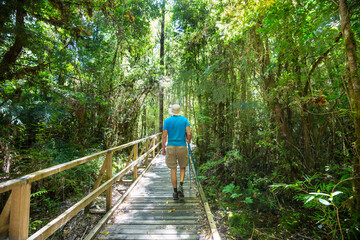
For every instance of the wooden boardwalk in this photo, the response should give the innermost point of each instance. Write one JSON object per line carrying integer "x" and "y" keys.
{"x": 149, "y": 212}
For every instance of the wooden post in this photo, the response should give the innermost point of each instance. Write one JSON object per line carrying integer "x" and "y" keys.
{"x": 135, "y": 157}
{"x": 19, "y": 213}
{"x": 97, "y": 183}
{"x": 5, "y": 219}
{"x": 146, "y": 150}
{"x": 158, "y": 139}
{"x": 108, "y": 161}
{"x": 153, "y": 144}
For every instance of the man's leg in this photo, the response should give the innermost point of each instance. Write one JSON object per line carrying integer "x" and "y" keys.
{"x": 183, "y": 162}
{"x": 174, "y": 178}
{"x": 174, "y": 184}
{"x": 172, "y": 164}
{"x": 182, "y": 174}
{"x": 182, "y": 177}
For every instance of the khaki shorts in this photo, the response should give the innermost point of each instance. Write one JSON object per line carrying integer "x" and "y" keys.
{"x": 175, "y": 155}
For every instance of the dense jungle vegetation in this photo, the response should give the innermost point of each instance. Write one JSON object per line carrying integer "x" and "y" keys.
{"x": 271, "y": 89}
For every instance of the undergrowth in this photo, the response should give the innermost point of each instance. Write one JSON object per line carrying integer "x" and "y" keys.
{"x": 258, "y": 205}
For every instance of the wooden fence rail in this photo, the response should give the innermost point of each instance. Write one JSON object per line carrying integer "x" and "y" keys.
{"x": 14, "y": 218}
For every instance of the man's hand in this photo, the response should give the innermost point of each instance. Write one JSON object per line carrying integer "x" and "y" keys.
{"x": 164, "y": 152}
{"x": 188, "y": 134}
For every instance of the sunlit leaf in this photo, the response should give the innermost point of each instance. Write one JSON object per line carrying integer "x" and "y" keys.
{"x": 309, "y": 199}
{"x": 336, "y": 193}
{"x": 318, "y": 193}
{"x": 323, "y": 201}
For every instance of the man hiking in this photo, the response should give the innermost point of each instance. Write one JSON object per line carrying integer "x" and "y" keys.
{"x": 175, "y": 129}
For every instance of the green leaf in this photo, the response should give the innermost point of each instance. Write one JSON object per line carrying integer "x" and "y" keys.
{"x": 336, "y": 193}
{"x": 229, "y": 188}
{"x": 235, "y": 195}
{"x": 318, "y": 193}
{"x": 248, "y": 200}
{"x": 309, "y": 199}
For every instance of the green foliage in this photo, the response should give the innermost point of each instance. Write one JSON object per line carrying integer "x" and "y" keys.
{"x": 232, "y": 190}
{"x": 329, "y": 207}
{"x": 291, "y": 220}
{"x": 241, "y": 224}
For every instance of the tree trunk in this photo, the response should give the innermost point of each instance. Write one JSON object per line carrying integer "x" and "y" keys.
{"x": 354, "y": 85}
{"x": 162, "y": 51}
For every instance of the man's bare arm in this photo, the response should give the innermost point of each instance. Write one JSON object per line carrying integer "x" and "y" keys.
{"x": 164, "y": 140}
{"x": 188, "y": 134}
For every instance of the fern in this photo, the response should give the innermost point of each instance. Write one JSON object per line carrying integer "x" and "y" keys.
{"x": 38, "y": 193}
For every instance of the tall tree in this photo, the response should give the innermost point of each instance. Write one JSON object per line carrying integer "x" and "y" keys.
{"x": 354, "y": 86}
{"x": 162, "y": 67}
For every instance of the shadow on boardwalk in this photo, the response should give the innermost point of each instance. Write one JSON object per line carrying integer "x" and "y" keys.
{"x": 149, "y": 212}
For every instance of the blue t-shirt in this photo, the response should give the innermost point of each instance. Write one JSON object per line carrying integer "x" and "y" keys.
{"x": 175, "y": 126}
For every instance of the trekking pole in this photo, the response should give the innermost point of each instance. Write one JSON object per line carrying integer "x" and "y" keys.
{"x": 194, "y": 168}
{"x": 189, "y": 149}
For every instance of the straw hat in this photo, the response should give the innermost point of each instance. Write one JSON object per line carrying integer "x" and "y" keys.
{"x": 175, "y": 110}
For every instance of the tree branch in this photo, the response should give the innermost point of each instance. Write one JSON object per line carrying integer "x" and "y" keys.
{"x": 318, "y": 61}
{"x": 12, "y": 54}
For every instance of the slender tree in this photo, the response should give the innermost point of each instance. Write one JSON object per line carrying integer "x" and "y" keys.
{"x": 162, "y": 67}
{"x": 354, "y": 86}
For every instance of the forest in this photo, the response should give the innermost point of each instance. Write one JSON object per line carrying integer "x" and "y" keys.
{"x": 271, "y": 89}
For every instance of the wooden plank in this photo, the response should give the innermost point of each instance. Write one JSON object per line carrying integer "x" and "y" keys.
{"x": 20, "y": 212}
{"x": 116, "y": 228}
{"x": 97, "y": 182}
{"x": 5, "y": 219}
{"x": 129, "y": 160}
{"x": 158, "y": 139}
{"x": 130, "y": 218}
{"x": 153, "y": 144}
{"x": 168, "y": 202}
{"x": 135, "y": 157}
{"x": 140, "y": 230}
{"x": 147, "y": 149}
{"x": 98, "y": 226}
{"x": 157, "y": 222}
{"x": 175, "y": 212}
{"x": 158, "y": 198}
{"x": 130, "y": 156}
{"x": 143, "y": 148}
{"x": 100, "y": 177}
{"x": 166, "y": 195}
{"x": 126, "y": 181}
{"x": 4, "y": 229}
{"x": 149, "y": 236}
{"x": 162, "y": 211}
{"x": 108, "y": 167}
{"x": 157, "y": 206}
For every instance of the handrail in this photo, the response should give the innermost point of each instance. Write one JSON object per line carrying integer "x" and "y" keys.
{"x": 214, "y": 232}
{"x": 35, "y": 176}
{"x": 15, "y": 215}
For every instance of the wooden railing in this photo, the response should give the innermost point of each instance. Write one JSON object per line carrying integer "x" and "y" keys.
{"x": 14, "y": 218}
